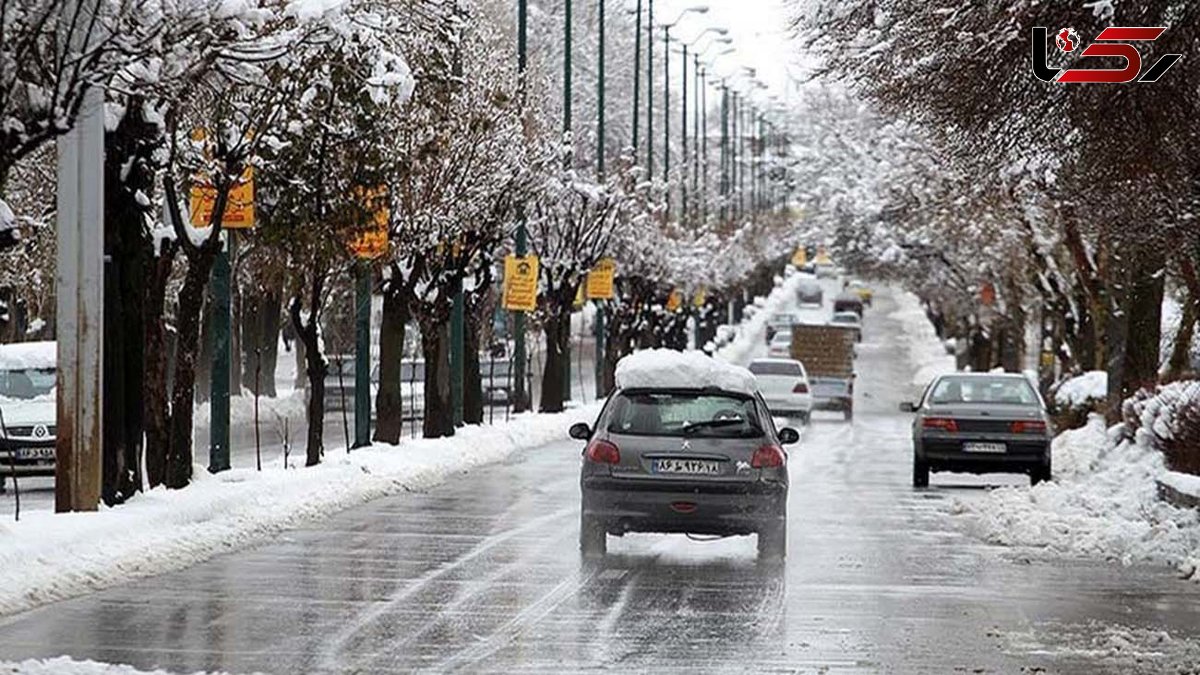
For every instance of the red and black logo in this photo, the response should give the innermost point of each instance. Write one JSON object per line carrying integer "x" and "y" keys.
{"x": 1113, "y": 42}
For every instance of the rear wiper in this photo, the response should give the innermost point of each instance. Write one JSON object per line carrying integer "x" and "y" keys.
{"x": 710, "y": 424}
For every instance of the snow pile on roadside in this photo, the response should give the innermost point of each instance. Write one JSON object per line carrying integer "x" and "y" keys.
{"x": 1103, "y": 502}
{"x": 1081, "y": 390}
{"x": 925, "y": 350}
{"x": 288, "y": 405}
{"x": 753, "y": 330}
{"x": 66, "y": 666}
{"x": 660, "y": 368}
{"x": 47, "y": 557}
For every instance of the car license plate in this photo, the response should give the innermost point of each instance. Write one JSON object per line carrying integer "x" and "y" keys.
{"x": 702, "y": 467}
{"x": 35, "y": 453}
{"x": 985, "y": 447}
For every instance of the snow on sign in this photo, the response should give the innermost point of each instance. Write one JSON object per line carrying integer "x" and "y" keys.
{"x": 520, "y": 283}
{"x": 239, "y": 209}
{"x": 600, "y": 280}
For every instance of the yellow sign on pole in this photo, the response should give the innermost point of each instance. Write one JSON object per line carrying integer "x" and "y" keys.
{"x": 239, "y": 208}
{"x": 372, "y": 242}
{"x": 600, "y": 280}
{"x": 800, "y": 257}
{"x": 579, "y": 299}
{"x": 700, "y": 298}
{"x": 674, "y": 301}
{"x": 520, "y": 283}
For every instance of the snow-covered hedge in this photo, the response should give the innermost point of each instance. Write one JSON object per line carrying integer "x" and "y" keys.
{"x": 1075, "y": 398}
{"x": 1168, "y": 420}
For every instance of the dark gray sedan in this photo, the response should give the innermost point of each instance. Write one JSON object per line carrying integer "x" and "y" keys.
{"x": 980, "y": 423}
{"x": 697, "y": 461}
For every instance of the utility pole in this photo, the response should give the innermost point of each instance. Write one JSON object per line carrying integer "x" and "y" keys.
{"x": 218, "y": 435}
{"x": 667, "y": 111}
{"x": 724, "y": 152}
{"x": 637, "y": 72}
{"x": 570, "y": 142}
{"x": 79, "y": 296}
{"x": 650, "y": 91}
{"x": 362, "y": 354}
{"x": 521, "y": 242}
{"x": 598, "y": 355}
{"x": 457, "y": 310}
{"x": 696, "y": 196}
{"x": 704, "y": 145}
{"x": 683, "y": 146}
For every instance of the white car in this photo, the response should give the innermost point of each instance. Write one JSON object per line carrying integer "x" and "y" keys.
{"x": 27, "y": 409}
{"x": 780, "y": 345}
{"x": 784, "y": 385}
{"x": 849, "y": 320}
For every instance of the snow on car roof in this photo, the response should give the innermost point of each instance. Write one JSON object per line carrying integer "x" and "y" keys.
{"x": 669, "y": 369}
{"x": 24, "y": 355}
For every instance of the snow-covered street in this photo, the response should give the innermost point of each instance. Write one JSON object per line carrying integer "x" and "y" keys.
{"x": 482, "y": 572}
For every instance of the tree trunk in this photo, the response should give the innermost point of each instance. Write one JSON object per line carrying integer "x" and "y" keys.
{"x": 558, "y": 332}
{"x": 1180, "y": 361}
{"x": 1144, "y": 333}
{"x": 389, "y": 401}
{"x": 315, "y": 367}
{"x": 157, "y": 359}
{"x": 191, "y": 304}
{"x": 472, "y": 372}
{"x": 260, "y": 340}
{"x": 435, "y": 344}
{"x": 203, "y": 362}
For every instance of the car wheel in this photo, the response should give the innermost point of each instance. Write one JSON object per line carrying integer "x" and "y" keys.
{"x": 593, "y": 539}
{"x": 920, "y": 473}
{"x": 772, "y": 541}
{"x": 1039, "y": 474}
{"x": 805, "y": 418}
{"x": 848, "y": 414}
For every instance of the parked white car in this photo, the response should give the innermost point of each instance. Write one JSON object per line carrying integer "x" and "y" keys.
{"x": 784, "y": 385}
{"x": 27, "y": 409}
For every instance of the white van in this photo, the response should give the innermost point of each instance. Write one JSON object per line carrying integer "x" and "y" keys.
{"x": 27, "y": 409}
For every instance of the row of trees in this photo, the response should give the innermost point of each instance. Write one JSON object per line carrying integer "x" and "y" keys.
{"x": 336, "y": 111}
{"x": 1011, "y": 204}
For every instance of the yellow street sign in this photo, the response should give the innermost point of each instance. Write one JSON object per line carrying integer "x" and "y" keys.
{"x": 600, "y": 280}
{"x": 674, "y": 301}
{"x": 520, "y": 283}
{"x": 372, "y": 242}
{"x": 700, "y": 297}
{"x": 579, "y": 297}
{"x": 800, "y": 257}
{"x": 239, "y": 208}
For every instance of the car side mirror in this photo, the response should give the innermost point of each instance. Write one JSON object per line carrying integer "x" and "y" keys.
{"x": 580, "y": 431}
{"x": 907, "y": 407}
{"x": 789, "y": 436}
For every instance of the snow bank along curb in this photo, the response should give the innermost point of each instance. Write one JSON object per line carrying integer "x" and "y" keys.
{"x": 926, "y": 351}
{"x": 47, "y": 557}
{"x": 66, "y": 666}
{"x": 1179, "y": 489}
{"x": 754, "y": 328}
{"x": 1103, "y": 502}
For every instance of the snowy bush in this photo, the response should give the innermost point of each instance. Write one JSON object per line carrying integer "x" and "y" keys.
{"x": 1168, "y": 419}
{"x": 1075, "y": 398}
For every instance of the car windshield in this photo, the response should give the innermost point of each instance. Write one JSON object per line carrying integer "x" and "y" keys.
{"x": 776, "y": 368}
{"x": 781, "y": 338}
{"x": 675, "y": 413}
{"x": 845, "y": 318}
{"x": 1002, "y": 390}
{"x": 27, "y": 384}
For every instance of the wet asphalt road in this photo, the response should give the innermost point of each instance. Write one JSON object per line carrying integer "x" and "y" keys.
{"x": 483, "y": 574}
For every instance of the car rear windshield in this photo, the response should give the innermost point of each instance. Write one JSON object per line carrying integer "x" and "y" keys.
{"x": 26, "y": 383}
{"x": 713, "y": 415}
{"x": 1003, "y": 390}
{"x": 775, "y": 368}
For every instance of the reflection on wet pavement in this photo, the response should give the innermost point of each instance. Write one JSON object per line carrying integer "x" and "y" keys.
{"x": 483, "y": 574}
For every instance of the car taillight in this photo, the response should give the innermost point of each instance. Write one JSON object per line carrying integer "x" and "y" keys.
{"x": 767, "y": 456}
{"x": 943, "y": 423}
{"x": 800, "y": 388}
{"x": 602, "y": 452}
{"x": 1028, "y": 427}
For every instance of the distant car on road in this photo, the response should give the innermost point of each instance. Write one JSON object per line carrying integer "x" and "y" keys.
{"x": 862, "y": 290}
{"x": 784, "y": 386}
{"x": 28, "y": 409}
{"x": 778, "y": 322}
{"x": 849, "y": 320}
{"x": 684, "y": 446}
{"x": 780, "y": 346}
{"x": 848, "y": 302}
{"x": 980, "y": 423}
{"x": 809, "y": 292}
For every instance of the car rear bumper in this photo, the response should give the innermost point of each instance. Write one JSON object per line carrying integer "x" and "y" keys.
{"x": 835, "y": 403}
{"x": 780, "y": 405}
{"x": 624, "y": 505}
{"x": 948, "y": 455}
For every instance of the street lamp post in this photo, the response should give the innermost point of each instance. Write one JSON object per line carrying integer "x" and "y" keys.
{"x": 569, "y": 142}
{"x": 521, "y": 240}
